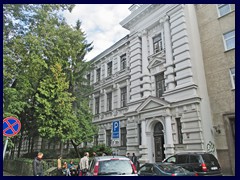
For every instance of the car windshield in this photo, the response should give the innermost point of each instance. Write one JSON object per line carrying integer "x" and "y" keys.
{"x": 115, "y": 167}
{"x": 169, "y": 168}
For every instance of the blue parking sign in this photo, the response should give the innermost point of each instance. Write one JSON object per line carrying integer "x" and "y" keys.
{"x": 115, "y": 129}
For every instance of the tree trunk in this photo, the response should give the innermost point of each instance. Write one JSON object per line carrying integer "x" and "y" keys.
{"x": 61, "y": 148}
{"x": 75, "y": 148}
{"x": 20, "y": 145}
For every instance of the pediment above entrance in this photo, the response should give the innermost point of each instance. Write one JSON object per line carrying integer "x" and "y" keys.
{"x": 152, "y": 103}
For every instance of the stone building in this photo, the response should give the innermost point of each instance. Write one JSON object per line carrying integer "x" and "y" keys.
{"x": 153, "y": 83}
{"x": 217, "y": 35}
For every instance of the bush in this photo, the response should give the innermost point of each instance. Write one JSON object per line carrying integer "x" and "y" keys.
{"x": 47, "y": 154}
{"x": 99, "y": 149}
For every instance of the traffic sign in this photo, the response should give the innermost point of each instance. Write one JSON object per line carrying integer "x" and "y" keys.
{"x": 11, "y": 126}
{"x": 115, "y": 129}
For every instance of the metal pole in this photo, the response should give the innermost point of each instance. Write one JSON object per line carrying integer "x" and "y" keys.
{"x": 5, "y": 147}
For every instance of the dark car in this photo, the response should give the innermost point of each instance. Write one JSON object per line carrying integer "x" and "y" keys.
{"x": 111, "y": 166}
{"x": 203, "y": 163}
{"x": 163, "y": 169}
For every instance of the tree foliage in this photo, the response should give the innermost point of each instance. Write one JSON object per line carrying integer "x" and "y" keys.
{"x": 44, "y": 71}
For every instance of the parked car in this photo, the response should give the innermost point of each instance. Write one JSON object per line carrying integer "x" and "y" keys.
{"x": 203, "y": 163}
{"x": 163, "y": 169}
{"x": 111, "y": 166}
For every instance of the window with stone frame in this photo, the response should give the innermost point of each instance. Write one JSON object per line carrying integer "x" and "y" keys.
{"x": 224, "y": 9}
{"x": 108, "y": 138}
{"x": 109, "y": 68}
{"x": 179, "y": 131}
{"x": 123, "y": 62}
{"x": 157, "y": 43}
{"x": 109, "y": 101}
{"x": 160, "y": 84}
{"x": 123, "y": 136}
{"x": 98, "y": 74}
{"x": 97, "y": 107}
{"x": 124, "y": 97}
{"x": 139, "y": 134}
{"x": 229, "y": 40}
{"x": 232, "y": 76}
{"x": 88, "y": 78}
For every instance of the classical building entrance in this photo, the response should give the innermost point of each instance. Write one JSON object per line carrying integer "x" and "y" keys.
{"x": 158, "y": 142}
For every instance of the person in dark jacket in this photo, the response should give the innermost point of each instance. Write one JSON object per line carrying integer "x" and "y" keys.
{"x": 38, "y": 165}
{"x": 135, "y": 160}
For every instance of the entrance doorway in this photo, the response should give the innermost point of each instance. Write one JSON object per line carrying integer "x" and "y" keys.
{"x": 158, "y": 142}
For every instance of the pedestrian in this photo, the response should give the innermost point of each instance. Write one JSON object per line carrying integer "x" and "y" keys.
{"x": 134, "y": 160}
{"x": 94, "y": 154}
{"x": 72, "y": 168}
{"x": 59, "y": 166}
{"x": 66, "y": 170}
{"x": 128, "y": 155}
{"x": 84, "y": 164}
{"x": 38, "y": 165}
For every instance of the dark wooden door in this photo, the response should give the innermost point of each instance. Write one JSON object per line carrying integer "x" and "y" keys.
{"x": 159, "y": 142}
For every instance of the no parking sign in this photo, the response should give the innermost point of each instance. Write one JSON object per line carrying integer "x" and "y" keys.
{"x": 11, "y": 126}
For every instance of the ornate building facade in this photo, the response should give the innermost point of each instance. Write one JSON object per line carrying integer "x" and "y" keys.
{"x": 153, "y": 82}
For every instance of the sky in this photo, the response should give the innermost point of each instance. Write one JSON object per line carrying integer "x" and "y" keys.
{"x": 101, "y": 24}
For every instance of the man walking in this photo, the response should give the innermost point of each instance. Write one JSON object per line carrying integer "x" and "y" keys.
{"x": 38, "y": 165}
{"x": 84, "y": 164}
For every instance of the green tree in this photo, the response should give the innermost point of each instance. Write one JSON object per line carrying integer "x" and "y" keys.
{"x": 54, "y": 107}
{"x": 37, "y": 37}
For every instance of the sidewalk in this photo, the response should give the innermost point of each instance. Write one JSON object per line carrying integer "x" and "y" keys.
{"x": 7, "y": 174}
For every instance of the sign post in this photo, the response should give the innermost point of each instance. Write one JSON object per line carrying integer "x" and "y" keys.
{"x": 115, "y": 133}
{"x": 11, "y": 127}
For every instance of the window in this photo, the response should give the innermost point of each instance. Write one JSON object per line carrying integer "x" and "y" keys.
{"x": 139, "y": 134}
{"x": 109, "y": 101}
{"x": 232, "y": 76}
{"x": 181, "y": 159}
{"x": 194, "y": 159}
{"x": 179, "y": 131}
{"x": 123, "y": 62}
{"x": 160, "y": 84}
{"x": 108, "y": 138}
{"x": 123, "y": 137}
{"x": 229, "y": 40}
{"x": 98, "y": 74}
{"x": 171, "y": 159}
{"x": 109, "y": 68}
{"x": 97, "y": 105}
{"x": 124, "y": 97}
{"x": 88, "y": 78}
{"x": 96, "y": 139}
{"x": 157, "y": 44}
{"x": 224, "y": 9}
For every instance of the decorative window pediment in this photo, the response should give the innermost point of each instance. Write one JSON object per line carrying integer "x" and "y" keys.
{"x": 156, "y": 60}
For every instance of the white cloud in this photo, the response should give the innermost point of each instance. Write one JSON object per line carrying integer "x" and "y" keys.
{"x": 100, "y": 22}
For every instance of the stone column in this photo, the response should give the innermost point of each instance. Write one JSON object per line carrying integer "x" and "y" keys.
{"x": 145, "y": 63}
{"x": 169, "y": 147}
{"x": 169, "y": 54}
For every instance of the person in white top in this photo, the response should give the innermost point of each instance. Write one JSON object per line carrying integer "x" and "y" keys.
{"x": 84, "y": 163}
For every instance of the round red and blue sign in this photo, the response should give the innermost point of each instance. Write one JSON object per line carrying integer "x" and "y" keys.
{"x": 11, "y": 126}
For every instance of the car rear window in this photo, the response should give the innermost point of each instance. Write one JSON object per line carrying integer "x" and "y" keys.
{"x": 119, "y": 166}
{"x": 208, "y": 158}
